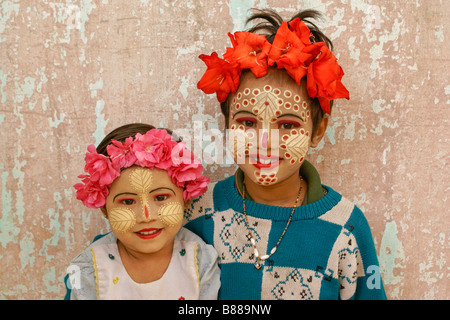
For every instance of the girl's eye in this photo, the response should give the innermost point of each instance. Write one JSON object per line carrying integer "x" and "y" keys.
{"x": 127, "y": 202}
{"x": 248, "y": 122}
{"x": 288, "y": 125}
{"x": 161, "y": 197}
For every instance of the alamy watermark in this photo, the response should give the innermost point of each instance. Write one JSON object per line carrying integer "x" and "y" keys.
{"x": 374, "y": 280}
{"x": 73, "y": 280}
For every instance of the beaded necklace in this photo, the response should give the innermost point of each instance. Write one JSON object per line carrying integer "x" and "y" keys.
{"x": 260, "y": 260}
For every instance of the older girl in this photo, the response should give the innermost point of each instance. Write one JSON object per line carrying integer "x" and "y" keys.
{"x": 279, "y": 232}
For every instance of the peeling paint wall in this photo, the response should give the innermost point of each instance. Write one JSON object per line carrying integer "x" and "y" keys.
{"x": 71, "y": 71}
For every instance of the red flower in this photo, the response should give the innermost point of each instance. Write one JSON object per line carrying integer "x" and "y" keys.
{"x": 324, "y": 79}
{"x": 292, "y": 49}
{"x": 221, "y": 77}
{"x": 249, "y": 51}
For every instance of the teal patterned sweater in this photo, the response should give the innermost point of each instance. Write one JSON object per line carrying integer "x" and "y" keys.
{"x": 326, "y": 253}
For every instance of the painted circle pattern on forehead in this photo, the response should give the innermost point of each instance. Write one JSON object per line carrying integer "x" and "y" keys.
{"x": 267, "y": 101}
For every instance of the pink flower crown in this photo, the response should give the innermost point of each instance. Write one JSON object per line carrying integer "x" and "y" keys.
{"x": 154, "y": 149}
{"x": 291, "y": 50}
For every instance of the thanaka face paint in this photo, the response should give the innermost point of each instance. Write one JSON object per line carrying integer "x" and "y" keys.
{"x": 145, "y": 209}
{"x": 171, "y": 213}
{"x": 283, "y": 120}
{"x": 134, "y": 195}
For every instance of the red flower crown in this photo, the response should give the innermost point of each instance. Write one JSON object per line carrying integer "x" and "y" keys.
{"x": 291, "y": 50}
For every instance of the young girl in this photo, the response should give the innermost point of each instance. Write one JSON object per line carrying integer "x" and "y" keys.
{"x": 142, "y": 181}
{"x": 279, "y": 232}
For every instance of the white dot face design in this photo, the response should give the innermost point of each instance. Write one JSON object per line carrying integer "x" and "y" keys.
{"x": 241, "y": 142}
{"x": 171, "y": 213}
{"x": 266, "y": 177}
{"x": 268, "y": 103}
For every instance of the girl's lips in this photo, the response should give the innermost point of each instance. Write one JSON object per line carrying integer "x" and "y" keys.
{"x": 271, "y": 165}
{"x": 149, "y": 233}
{"x": 264, "y": 162}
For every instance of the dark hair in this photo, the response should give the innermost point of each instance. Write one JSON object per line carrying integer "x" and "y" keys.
{"x": 125, "y": 131}
{"x": 269, "y": 27}
{"x": 121, "y": 133}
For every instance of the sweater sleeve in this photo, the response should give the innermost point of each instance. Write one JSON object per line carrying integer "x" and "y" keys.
{"x": 367, "y": 284}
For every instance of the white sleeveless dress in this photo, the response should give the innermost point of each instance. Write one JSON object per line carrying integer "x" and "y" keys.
{"x": 179, "y": 282}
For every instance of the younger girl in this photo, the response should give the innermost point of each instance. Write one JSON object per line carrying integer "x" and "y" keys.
{"x": 279, "y": 232}
{"x": 142, "y": 181}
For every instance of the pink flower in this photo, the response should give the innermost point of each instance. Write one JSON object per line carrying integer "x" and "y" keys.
{"x": 99, "y": 167}
{"x": 120, "y": 154}
{"x": 153, "y": 148}
{"x": 185, "y": 167}
{"x": 196, "y": 188}
{"x": 90, "y": 193}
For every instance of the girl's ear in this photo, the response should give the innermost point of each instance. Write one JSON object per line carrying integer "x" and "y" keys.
{"x": 320, "y": 131}
{"x": 186, "y": 204}
{"x": 105, "y": 213}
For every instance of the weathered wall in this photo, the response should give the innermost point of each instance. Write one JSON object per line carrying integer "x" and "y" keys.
{"x": 71, "y": 71}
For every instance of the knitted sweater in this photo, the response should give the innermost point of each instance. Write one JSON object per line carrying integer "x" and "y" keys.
{"x": 326, "y": 253}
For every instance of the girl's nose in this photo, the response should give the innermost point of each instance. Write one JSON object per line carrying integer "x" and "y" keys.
{"x": 268, "y": 139}
{"x": 145, "y": 215}
{"x": 264, "y": 138}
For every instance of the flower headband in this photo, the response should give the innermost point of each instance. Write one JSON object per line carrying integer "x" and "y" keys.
{"x": 154, "y": 149}
{"x": 291, "y": 50}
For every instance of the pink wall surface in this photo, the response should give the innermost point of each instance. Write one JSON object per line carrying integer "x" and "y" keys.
{"x": 71, "y": 71}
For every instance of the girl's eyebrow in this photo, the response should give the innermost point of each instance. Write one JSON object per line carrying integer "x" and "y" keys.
{"x": 134, "y": 194}
{"x": 243, "y": 111}
{"x": 162, "y": 188}
{"x": 292, "y": 115}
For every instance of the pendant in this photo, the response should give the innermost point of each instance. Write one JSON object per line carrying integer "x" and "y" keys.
{"x": 258, "y": 265}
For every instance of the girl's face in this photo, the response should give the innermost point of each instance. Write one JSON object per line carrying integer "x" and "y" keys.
{"x": 272, "y": 127}
{"x": 145, "y": 209}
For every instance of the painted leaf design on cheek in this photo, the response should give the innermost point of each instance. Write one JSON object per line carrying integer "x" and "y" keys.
{"x": 121, "y": 219}
{"x": 296, "y": 145}
{"x": 171, "y": 213}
